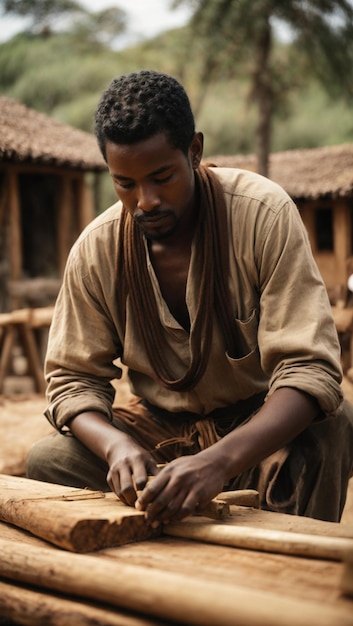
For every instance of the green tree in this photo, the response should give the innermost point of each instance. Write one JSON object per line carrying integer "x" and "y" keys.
{"x": 234, "y": 31}
{"x": 42, "y": 13}
{"x": 89, "y": 28}
{"x": 101, "y": 27}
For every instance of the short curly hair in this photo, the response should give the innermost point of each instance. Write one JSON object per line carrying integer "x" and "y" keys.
{"x": 139, "y": 105}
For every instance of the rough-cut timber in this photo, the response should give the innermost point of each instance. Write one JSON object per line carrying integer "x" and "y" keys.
{"x": 84, "y": 521}
{"x": 177, "y": 597}
{"x": 38, "y": 607}
{"x": 74, "y": 519}
{"x": 254, "y": 582}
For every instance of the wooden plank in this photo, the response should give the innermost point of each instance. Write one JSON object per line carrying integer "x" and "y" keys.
{"x": 74, "y": 519}
{"x": 85, "y": 520}
{"x": 167, "y": 595}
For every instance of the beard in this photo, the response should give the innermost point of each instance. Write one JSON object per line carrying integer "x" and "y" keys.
{"x": 156, "y": 232}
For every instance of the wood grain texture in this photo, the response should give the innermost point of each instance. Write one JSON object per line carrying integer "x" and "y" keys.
{"x": 263, "y": 539}
{"x": 164, "y": 594}
{"x": 39, "y": 608}
{"x": 74, "y": 519}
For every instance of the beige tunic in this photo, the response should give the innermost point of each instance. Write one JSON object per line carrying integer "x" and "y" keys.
{"x": 279, "y": 300}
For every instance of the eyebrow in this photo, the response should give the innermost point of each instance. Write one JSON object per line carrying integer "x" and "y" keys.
{"x": 160, "y": 170}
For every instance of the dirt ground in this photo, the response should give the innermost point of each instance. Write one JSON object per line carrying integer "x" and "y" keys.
{"x": 22, "y": 423}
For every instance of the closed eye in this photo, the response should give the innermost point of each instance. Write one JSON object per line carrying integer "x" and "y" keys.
{"x": 164, "y": 179}
{"x": 126, "y": 185}
{"x": 122, "y": 185}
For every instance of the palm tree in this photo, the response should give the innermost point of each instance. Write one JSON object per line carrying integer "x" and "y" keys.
{"x": 231, "y": 29}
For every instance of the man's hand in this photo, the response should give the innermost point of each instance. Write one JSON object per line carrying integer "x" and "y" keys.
{"x": 180, "y": 488}
{"x": 129, "y": 468}
{"x": 194, "y": 480}
{"x": 129, "y": 464}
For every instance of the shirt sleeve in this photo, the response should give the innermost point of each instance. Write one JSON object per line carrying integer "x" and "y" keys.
{"x": 297, "y": 337}
{"x": 83, "y": 339}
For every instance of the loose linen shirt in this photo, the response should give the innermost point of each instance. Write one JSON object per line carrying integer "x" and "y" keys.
{"x": 279, "y": 300}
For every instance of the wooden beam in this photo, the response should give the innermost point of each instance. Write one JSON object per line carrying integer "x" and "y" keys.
{"x": 166, "y": 595}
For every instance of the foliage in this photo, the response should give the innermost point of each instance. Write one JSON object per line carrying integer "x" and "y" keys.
{"x": 63, "y": 75}
{"x": 48, "y": 16}
{"x": 238, "y": 32}
{"x": 42, "y": 13}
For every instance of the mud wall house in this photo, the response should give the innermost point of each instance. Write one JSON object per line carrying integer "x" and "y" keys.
{"x": 320, "y": 181}
{"x": 46, "y": 199}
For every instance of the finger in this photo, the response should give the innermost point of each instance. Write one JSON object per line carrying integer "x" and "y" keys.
{"x": 170, "y": 512}
{"x": 151, "y": 491}
{"x": 140, "y": 475}
{"x": 127, "y": 492}
{"x": 188, "y": 507}
{"x": 153, "y": 469}
{"x": 113, "y": 482}
{"x": 166, "y": 504}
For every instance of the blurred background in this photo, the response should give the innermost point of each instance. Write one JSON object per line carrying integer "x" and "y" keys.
{"x": 262, "y": 75}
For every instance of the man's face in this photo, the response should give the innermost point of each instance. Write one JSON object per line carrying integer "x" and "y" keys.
{"x": 155, "y": 183}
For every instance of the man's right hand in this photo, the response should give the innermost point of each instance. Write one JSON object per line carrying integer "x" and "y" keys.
{"x": 129, "y": 467}
{"x": 129, "y": 464}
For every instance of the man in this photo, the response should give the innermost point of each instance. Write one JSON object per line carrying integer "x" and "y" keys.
{"x": 202, "y": 282}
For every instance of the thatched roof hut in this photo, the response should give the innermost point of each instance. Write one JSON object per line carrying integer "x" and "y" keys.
{"x": 305, "y": 174}
{"x": 45, "y": 200}
{"x": 320, "y": 181}
{"x": 28, "y": 136}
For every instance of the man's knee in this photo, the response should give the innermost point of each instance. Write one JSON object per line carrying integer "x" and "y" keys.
{"x": 64, "y": 460}
{"x": 41, "y": 458}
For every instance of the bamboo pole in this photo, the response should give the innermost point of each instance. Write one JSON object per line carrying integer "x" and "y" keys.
{"x": 161, "y": 594}
{"x": 263, "y": 539}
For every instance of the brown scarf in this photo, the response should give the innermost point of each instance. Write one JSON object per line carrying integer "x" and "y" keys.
{"x": 211, "y": 240}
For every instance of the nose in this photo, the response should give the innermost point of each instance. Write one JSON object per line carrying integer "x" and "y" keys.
{"x": 147, "y": 198}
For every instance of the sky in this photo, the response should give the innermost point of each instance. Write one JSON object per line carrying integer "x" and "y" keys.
{"x": 146, "y": 18}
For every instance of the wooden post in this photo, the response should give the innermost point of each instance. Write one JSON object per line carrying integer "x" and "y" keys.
{"x": 342, "y": 243}
{"x": 15, "y": 232}
{"x": 85, "y": 204}
{"x": 7, "y": 338}
{"x": 65, "y": 222}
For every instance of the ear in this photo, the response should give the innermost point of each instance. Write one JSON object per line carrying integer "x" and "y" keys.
{"x": 196, "y": 150}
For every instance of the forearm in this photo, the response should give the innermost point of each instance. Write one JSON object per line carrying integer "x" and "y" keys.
{"x": 95, "y": 431}
{"x": 128, "y": 463}
{"x": 284, "y": 416}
